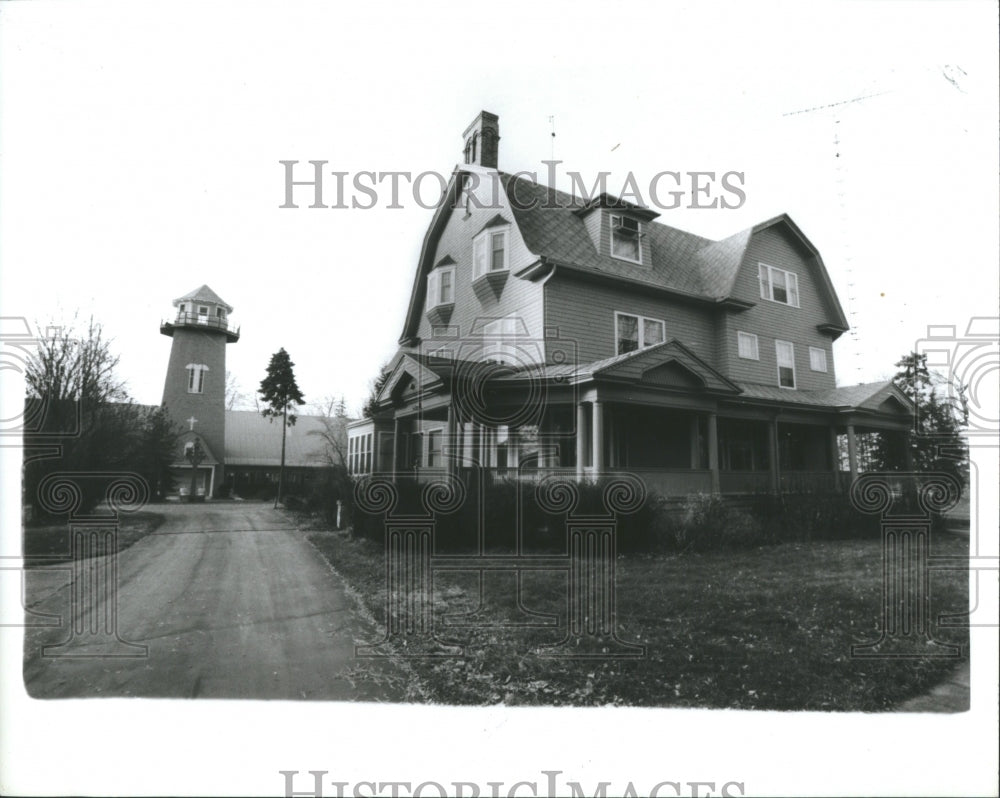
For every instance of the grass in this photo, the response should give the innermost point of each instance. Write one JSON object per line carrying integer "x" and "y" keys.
{"x": 49, "y": 542}
{"x": 764, "y": 628}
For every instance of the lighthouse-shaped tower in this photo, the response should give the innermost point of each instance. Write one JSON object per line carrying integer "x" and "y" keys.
{"x": 194, "y": 392}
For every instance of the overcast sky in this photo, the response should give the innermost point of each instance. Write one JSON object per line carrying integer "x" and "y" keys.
{"x": 139, "y": 158}
{"x": 141, "y": 144}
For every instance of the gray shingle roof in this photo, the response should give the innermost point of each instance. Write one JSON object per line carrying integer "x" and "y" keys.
{"x": 253, "y": 440}
{"x": 550, "y": 227}
{"x": 204, "y": 294}
{"x": 866, "y": 396}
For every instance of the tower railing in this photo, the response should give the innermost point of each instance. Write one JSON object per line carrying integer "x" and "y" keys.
{"x": 198, "y": 320}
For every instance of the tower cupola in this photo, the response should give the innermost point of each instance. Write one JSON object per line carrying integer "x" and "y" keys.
{"x": 202, "y": 309}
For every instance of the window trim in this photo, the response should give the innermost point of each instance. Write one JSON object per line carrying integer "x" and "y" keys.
{"x": 428, "y": 436}
{"x": 434, "y": 299}
{"x": 485, "y": 239}
{"x": 769, "y": 294}
{"x": 505, "y": 345}
{"x": 641, "y": 331}
{"x": 196, "y": 377}
{"x": 777, "y": 357}
{"x": 818, "y": 350}
{"x": 752, "y": 337}
{"x": 611, "y": 238}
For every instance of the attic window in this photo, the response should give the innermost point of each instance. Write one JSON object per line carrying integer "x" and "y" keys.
{"x": 490, "y": 252}
{"x": 778, "y": 285}
{"x": 626, "y": 234}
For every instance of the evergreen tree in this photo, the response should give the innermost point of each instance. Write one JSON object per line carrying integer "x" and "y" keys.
{"x": 280, "y": 395}
{"x": 383, "y": 375}
{"x": 936, "y": 443}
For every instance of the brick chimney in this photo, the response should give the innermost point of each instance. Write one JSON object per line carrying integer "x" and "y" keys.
{"x": 482, "y": 141}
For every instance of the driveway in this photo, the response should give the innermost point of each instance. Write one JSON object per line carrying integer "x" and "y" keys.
{"x": 230, "y": 600}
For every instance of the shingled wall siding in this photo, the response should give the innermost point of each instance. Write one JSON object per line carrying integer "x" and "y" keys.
{"x": 585, "y": 313}
{"x": 472, "y": 309}
{"x": 773, "y": 320}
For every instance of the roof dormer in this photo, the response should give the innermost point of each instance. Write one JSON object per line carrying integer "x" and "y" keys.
{"x": 618, "y": 228}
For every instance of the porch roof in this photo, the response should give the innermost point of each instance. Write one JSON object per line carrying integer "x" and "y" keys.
{"x": 642, "y": 365}
{"x": 865, "y": 396}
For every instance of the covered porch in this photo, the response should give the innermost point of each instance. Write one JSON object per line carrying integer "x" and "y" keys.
{"x": 664, "y": 416}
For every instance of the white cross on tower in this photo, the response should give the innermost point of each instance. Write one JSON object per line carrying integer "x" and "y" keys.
{"x": 191, "y": 422}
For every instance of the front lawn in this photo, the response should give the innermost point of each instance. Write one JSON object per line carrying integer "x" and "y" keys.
{"x": 766, "y": 628}
{"x": 49, "y": 542}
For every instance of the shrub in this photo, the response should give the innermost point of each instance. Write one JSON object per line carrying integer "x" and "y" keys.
{"x": 711, "y": 522}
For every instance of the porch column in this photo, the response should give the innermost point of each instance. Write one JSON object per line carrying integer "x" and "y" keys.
{"x": 581, "y": 439}
{"x": 713, "y": 450}
{"x": 598, "y": 445}
{"x": 772, "y": 451}
{"x": 693, "y": 432}
{"x": 907, "y": 451}
{"x": 852, "y": 451}
{"x": 396, "y": 442}
{"x": 835, "y": 459}
{"x": 452, "y": 447}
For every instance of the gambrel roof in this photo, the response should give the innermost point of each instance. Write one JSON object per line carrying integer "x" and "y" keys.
{"x": 683, "y": 264}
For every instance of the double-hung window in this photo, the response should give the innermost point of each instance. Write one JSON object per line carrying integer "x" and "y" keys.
{"x": 433, "y": 439}
{"x": 637, "y": 332}
{"x": 490, "y": 252}
{"x": 747, "y": 346}
{"x": 785, "y": 352}
{"x": 500, "y": 339}
{"x": 778, "y": 285}
{"x": 626, "y": 234}
{"x": 817, "y": 358}
{"x": 441, "y": 287}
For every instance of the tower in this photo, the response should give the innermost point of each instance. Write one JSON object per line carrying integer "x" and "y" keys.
{"x": 194, "y": 391}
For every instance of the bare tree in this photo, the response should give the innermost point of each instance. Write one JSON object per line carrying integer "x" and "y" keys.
{"x": 333, "y": 417}
{"x": 236, "y": 399}
{"x": 80, "y": 403}
{"x": 77, "y": 368}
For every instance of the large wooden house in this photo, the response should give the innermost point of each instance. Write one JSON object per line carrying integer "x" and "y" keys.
{"x": 548, "y": 332}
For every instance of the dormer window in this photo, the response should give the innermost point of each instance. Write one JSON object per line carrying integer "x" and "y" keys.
{"x": 626, "y": 235}
{"x": 778, "y": 285}
{"x": 441, "y": 287}
{"x": 490, "y": 252}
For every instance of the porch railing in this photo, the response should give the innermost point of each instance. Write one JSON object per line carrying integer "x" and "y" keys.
{"x": 814, "y": 482}
{"x": 666, "y": 482}
{"x": 671, "y": 482}
{"x": 744, "y": 481}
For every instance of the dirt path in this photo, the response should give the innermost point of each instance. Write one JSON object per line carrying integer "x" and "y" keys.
{"x": 231, "y": 601}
